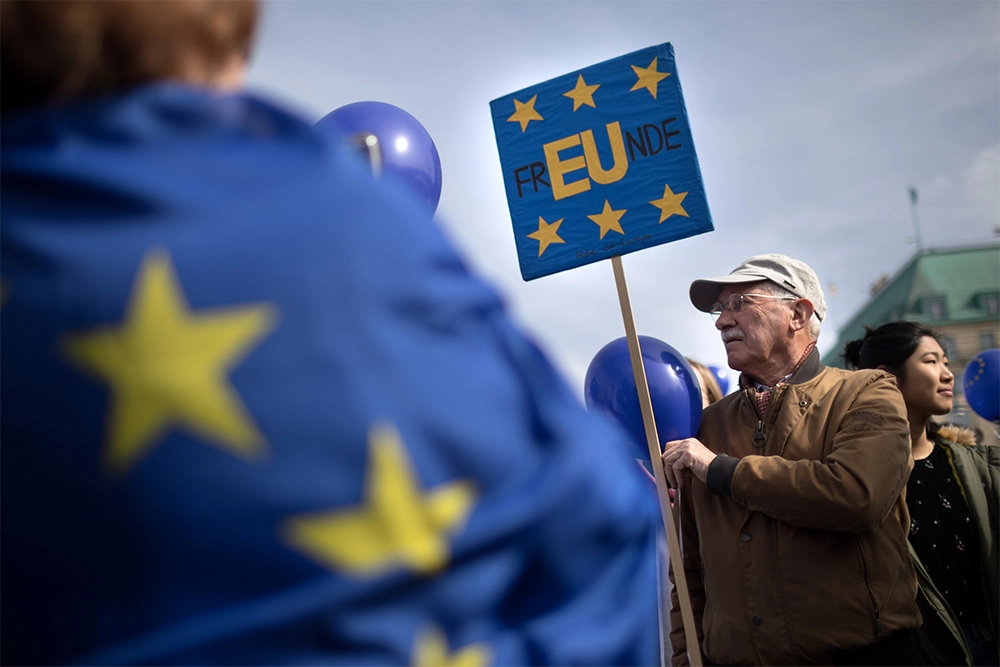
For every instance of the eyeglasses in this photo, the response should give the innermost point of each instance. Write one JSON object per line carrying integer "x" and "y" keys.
{"x": 736, "y": 302}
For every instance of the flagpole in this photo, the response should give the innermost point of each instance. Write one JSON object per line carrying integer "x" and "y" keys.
{"x": 653, "y": 442}
{"x": 913, "y": 216}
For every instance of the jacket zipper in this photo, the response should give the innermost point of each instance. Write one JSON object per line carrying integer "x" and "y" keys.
{"x": 759, "y": 437}
{"x": 868, "y": 587}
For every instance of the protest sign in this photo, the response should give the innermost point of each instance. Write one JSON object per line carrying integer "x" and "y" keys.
{"x": 599, "y": 163}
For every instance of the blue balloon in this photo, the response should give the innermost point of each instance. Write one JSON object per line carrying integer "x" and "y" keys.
{"x": 396, "y": 143}
{"x": 722, "y": 377}
{"x": 981, "y": 384}
{"x": 610, "y": 388}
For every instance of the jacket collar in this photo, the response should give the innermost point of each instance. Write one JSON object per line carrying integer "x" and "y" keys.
{"x": 809, "y": 369}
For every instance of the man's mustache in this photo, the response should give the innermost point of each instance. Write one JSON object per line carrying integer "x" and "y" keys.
{"x": 732, "y": 332}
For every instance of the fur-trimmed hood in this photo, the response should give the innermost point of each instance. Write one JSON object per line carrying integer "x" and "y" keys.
{"x": 957, "y": 434}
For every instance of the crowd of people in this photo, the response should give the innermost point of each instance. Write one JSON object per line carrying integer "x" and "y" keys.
{"x": 235, "y": 431}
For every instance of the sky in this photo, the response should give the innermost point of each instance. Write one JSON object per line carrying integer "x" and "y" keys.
{"x": 811, "y": 121}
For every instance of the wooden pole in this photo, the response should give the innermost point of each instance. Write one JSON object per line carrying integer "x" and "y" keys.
{"x": 653, "y": 442}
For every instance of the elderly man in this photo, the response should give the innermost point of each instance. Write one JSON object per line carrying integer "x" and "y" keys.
{"x": 793, "y": 530}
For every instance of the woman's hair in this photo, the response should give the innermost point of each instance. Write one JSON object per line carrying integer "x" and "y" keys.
{"x": 890, "y": 345}
{"x": 707, "y": 380}
{"x": 57, "y": 51}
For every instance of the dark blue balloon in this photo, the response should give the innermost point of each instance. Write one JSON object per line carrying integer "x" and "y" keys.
{"x": 981, "y": 384}
{"x": 722, "y": 377}
{"x": 404, "y": 150}
{"x": 673, "y": 387}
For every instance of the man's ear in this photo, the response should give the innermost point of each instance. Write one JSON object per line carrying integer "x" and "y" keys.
{"x": 802, "y": 311}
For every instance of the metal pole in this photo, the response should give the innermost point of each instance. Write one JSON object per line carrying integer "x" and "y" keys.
{"x": 913, "y": 216}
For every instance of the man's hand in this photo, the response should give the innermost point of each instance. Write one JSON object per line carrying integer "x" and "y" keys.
{"x": 683, "y": 458}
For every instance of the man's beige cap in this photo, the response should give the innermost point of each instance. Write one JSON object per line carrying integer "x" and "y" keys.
{"x": 793, "y": 275}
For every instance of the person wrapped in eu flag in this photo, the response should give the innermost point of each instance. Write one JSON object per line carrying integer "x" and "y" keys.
{"x": 256, "y": 410}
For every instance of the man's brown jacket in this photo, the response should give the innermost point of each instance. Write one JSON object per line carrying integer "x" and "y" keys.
{"x": 796, "y": 547}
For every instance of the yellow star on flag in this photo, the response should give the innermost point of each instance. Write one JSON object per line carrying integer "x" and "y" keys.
{"x": 670, "y": 203}
{"x": 609, "y": 219}
{"x": 431, "y": 650}
{"x": 168, "y": 367}
{"x": 582, "y": 94}
{"x": 399, "y": 524}
{"x": 546, "y": 234}
{"x": 525, "y": 113}
{"x": 649, "y": 78}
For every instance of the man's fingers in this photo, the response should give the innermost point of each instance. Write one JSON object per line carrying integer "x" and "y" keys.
{"x": 671, "y": 445}
{"x": 685, "y": 458}
{"x": 673, "y": 466}
{"x": 668, "y": 470}
{"x": 678, "y": 471}
{"x": 671, "y": 454}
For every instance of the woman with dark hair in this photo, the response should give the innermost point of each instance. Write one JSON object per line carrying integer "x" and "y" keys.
{"x": 951, "y": 495}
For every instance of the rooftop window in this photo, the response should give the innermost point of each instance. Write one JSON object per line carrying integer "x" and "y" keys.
{"x": 934, "y": 308}
{"x": 990, "y": 303}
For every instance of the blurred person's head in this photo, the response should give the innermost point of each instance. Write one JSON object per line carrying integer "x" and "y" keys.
{"x": 913, "y": 353}
{"x": 768, "y": 310}
{"x": 59, "y": 51}
{"x": 710, "y": 389}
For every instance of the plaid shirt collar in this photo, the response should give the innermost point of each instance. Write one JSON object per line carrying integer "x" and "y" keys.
{"x": 763, "y": 392}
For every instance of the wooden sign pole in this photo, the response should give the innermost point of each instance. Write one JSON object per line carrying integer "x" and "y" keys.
{"x": 653, "y": 442}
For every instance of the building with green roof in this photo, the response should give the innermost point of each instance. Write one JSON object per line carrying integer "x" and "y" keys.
{"x": 955, "y": 291}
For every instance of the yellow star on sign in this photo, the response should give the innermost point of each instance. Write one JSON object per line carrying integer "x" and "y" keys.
{"x": 582, "y": 94}
{"x": 525, "y": 113}
{"x": 609, "y": 219}
{"x": 167, "y": 368}
{"x": 670, "y": 203}
{"x": 398, "y": 525}
{"x": 431, "y": 650}
{"x": 546, "y": 234}
{"x": 649, "y": 78}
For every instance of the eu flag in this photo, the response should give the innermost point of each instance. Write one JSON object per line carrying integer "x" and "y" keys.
{"x": 256, "y": 410}
{"x": 600, "y": 162}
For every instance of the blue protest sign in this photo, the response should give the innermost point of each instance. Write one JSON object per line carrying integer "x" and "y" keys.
{"x": 600, "y": 162}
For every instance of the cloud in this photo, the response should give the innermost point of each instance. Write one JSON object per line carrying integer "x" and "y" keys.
{"x": 979, "y": 186}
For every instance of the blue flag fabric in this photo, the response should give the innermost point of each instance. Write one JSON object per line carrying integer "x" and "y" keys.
{"x": 257, "y": 411}
{"x": 600, "y": 162}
